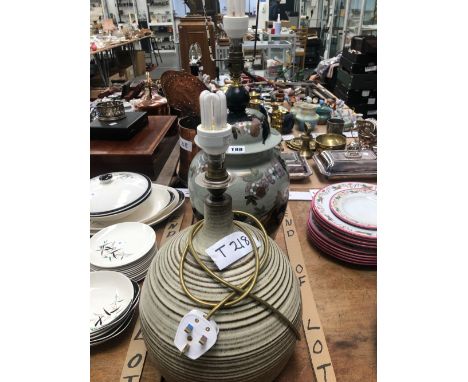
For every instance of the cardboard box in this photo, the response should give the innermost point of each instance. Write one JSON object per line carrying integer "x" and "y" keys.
{"x": 123, "y": 75}
{"x": 140, "y": 63}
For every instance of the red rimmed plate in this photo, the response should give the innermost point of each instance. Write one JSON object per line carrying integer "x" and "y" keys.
{"x": 339, "y": 236}
{"x": 338, "y": 254}
{"x": 348, "y": 249}
{"x": 321, "y": 207}
{"x": 357, "y": 206}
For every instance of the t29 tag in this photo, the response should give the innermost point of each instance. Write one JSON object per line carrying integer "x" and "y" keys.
{"x": 230, "y": 249}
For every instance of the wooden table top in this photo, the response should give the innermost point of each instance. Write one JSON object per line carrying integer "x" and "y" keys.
{"x": 346, "y": 301}
{"x": 122, "y": 43}
{"x": 142, "y": 143}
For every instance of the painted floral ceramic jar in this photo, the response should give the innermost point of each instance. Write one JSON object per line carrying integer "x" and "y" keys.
{"x": 261, "y": 185}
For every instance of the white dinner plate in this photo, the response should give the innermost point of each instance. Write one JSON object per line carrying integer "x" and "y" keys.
{"x": 321, "y": 206}
{"x": 158, "y": 200}
{"x": 121, "y": 244}
{"x": 95, "y": 227}
{"x": 110, "y": 295}
{"x": 357, "y": 206}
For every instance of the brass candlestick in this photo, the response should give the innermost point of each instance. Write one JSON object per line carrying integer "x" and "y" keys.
{"x": 306, "y": 151}
{"x": 276, "y": 116}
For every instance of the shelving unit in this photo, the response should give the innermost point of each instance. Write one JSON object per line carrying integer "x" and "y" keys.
{"x": 126, "y": 7}
{"x": 96, "y": 10}
{"x": 161, "y": 21}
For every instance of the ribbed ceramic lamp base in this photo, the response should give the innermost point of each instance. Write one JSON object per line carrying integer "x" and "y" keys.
{"x": 253, "y": 343}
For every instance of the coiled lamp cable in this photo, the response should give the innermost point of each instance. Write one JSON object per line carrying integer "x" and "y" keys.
{"x": 244, "y": 290}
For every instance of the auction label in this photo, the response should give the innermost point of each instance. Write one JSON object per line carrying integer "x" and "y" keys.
{"x": 315, "y": 336}
{"x": 230, "y": 249}
{"x": 236, "y": 149}
{"x": 186, "y": 145}
{"x": 370, "y": 68}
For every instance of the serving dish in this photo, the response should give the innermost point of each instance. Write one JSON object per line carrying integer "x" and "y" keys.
{"x": 297, "y": 166}
{"x": 337, "y": 164}
{"x": 144, "y": 216}
{"x": 117, "y": 193}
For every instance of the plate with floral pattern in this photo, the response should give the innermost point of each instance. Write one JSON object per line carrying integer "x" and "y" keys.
{"x": 321, "y": 207}
{"x": 357, "y": 206}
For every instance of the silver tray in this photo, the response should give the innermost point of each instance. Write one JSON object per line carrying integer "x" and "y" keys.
{"x": 297, "y": 166}
{"x": 333, "y": 165}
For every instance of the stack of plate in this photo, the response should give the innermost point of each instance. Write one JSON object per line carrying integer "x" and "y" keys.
{"x": 113, "y": 298}
{"x": 130, "y": 197}
{"x": 343, "y": 222}
{"x": 125, "y": 247}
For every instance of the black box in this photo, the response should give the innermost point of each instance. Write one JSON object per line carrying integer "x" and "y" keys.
{"x": 122, "y": 129}
{"x": 361, "y": 96}
{"x": 365, "y": 44}
{"x": 356, "y": 68}
{"x": 359, "y": 58}
{"x": 367, "y": 111}
{"x": 357, "y": 81}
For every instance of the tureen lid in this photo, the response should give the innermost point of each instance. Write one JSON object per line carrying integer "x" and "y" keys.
{"x": 116, "y": 192}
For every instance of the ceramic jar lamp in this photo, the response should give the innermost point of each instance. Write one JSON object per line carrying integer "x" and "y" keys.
{"x": 199, "y": 324}
{"x": 261, "y": 185}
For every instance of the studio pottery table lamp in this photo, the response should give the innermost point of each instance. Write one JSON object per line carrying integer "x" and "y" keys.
{"x": 220, "y": 301}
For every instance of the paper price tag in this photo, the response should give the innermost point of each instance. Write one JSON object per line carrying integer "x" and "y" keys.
{"x": 371, "y": 101}
{"x": 365, "y": 93}
{"x": 370, "y": 68}
{"x": 230, "y": 249}
{"x": 288, "y": 137}
{"x": 236, "y": 149}
{"x": 186, "y": 145}
{"x": 185, "y": 191}
{"x": 350, "y": 134}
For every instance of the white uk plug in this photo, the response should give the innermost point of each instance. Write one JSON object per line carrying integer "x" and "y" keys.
{"x": 195, "y": 334}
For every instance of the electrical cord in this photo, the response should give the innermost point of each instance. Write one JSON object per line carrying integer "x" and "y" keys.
{"x": 246, "y": 288}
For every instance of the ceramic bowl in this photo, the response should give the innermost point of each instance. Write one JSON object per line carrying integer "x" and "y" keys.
{"x": 111, "y": 294}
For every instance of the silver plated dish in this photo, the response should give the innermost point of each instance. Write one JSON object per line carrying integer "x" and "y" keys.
{"x": 297, "y": 166}
{"x": 342, "y": 164}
